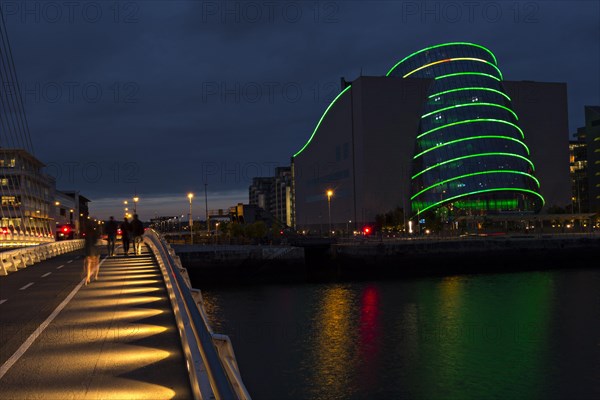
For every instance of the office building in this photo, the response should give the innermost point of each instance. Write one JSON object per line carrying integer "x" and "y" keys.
{"x": 274, "y": 195}
{"x": 27, "y": 197}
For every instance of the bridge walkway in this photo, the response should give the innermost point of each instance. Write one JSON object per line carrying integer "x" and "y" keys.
{"x": 115, "y": 339}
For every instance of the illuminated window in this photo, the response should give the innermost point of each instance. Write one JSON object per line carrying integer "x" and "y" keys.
{"x": 11, "y": 201}
{"x": 8, "y": 163}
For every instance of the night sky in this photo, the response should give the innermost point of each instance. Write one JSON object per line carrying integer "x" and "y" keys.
{"x": 160, "y": 97}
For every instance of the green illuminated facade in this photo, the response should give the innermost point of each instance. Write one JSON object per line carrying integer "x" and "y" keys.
{"x": 442, "y": 132}
{"x": 470, "y": 153}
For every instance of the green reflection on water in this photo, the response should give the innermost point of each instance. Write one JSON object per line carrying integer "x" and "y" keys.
{"x": 487, "y": 339}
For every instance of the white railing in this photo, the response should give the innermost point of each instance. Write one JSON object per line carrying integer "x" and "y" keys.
{"x": 19, "y": 239}
{"x": 14, "y": 260}
{"x": 212, "y": 366}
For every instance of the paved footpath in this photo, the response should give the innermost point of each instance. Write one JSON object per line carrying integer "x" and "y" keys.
{"x": 113, "y": 339}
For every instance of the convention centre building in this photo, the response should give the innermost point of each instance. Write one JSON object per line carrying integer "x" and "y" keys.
{"x": 441, "y": 130}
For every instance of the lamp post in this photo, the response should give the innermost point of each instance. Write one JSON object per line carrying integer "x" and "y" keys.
{"x": 190, "y": 197}
{"x": 329, "y": 194}
{"x": 206, "y": 210}
{"x": 135, "y": 201}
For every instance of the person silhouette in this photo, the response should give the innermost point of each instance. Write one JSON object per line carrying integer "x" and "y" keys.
{"x": 92, "y": 256}
{"x": 137, "y": 230}
{"x": 111, "y": 235}
{"x": 125, "y": 232}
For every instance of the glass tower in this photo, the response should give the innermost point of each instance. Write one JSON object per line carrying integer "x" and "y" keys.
{"x": 470, "y": 153}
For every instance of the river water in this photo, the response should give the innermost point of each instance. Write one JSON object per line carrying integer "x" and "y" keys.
{"x": 530, "y": 335}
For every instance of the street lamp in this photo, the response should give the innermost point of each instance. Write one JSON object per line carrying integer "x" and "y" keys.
{"x": 206, "y": 210}
{"x": 135, "y": 200}
{"x": 329, "y": 194}
{"x": 190, "y": 197}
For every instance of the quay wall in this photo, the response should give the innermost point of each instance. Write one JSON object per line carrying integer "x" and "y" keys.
{"x": 373, "y": 259}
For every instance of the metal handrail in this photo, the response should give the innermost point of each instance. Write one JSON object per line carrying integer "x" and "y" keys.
{"x": 13, "y": 260}
{"x": 204, "y": 360}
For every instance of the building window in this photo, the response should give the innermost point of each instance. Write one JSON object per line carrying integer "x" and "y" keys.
{"x": 7, "y": 163}
{"x": 11, "y": 201}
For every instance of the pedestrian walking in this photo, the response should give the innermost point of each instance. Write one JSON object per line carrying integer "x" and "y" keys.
{"x": 125, "y": 235}
{"x": 111, "y": 235}
{"x": 91, "y": 263}
{"x": 137, "y": 230}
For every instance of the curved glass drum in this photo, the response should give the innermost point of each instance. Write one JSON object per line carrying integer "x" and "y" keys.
{"x": 470, "y": 153}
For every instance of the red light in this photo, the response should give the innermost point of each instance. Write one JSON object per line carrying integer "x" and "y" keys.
{"x": 66, "y": 229}
{"x": 366, "y": 230}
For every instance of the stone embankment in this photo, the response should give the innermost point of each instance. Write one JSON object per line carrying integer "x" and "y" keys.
{"x": 375, "y": 259}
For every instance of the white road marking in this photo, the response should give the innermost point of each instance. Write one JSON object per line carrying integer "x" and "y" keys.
{"x": 26, "y": 286}
{"x": 3, "y": 301}
{"x": 27, "y": 344}
{"x": 46, "y": 274}
{"x": 70, "y": 261}
{"x": 60, "y": 266}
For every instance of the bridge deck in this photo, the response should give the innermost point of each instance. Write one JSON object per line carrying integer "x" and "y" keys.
{"x": 115, "y": 339}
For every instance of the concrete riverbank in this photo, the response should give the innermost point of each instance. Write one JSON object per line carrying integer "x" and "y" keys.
{"x": 241, "y": 263}
{"x": 375, "y": 259}
{"x": 465, "y": 255}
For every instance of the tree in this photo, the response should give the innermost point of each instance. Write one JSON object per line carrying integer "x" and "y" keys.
{"x": 256, "y": 231}
{"x": 391, "y": 220}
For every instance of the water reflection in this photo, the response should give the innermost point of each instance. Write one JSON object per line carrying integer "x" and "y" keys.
{"x": 485, "y": 336}
{"x": 369, "y": 339}
{"x": 333, "y": 344}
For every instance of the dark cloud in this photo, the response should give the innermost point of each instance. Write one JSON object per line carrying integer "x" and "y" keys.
{"x": 156, "y": 96}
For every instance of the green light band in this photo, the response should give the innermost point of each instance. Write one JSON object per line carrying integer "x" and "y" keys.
{"x": 454, "y": 59}
{"x": 495, "y": 171}
{"x": 471, "y": 104}
{"x": 468, "y": 121}
{"x": 480, "y": 192}
{"x": 490, "y": 203}
{"x": 471, "y": 156}
{"x": 441, "y": 45}
{"x": 467, "y": 73}
{"x": 321, "y": 120}
{"x": 470, "y": 88}
{"x": 473, "y": 138}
